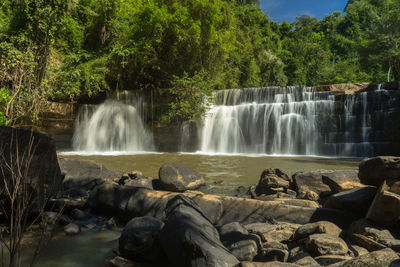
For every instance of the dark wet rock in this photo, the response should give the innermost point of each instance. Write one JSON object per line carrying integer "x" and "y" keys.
{"x": 50, "y": 217}
{"x": 321, "y": 227}
{"x": 72, "y": 229}
{"x": 356, "y": 200}
{"x": 78, "y": 214}
{"x": 43, "y": 174}
{"x": 324, "y": 244}
{"x": 291, "y": 192}
{"x": 139, "y": 239}
{"x": 272, "y": 178}
{"x": 272, "y": 254}
{"x": 374, "y": 171}
{"x": 111, "y": 223}
{"x": 371, "y": 230}
{"x": 385, "y": 208}
{"x": 176, "y": 177}
{"x": 84, "y": 173}
{"x": 331, "y": 259}
{"x": 65, "y": 220}
{"x": 379, "y": 258}
{"x": 309, "y": 184}
{"x": 342, "y": 180}
{"x": 75, "y": 192}
{"x": 189, "y": 238}
{"x": 121, "y": 262}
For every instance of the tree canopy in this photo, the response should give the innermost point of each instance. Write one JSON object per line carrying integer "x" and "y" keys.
{"x": 68, "y": 49}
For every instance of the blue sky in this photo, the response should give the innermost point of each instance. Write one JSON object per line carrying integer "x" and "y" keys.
{"x": 280, "y": 10}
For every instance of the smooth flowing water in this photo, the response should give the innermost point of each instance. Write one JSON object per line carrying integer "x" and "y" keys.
{"x": 115, "y": 125}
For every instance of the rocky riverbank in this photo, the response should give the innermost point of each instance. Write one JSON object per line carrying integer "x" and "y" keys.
{"x": 319, "y": 218}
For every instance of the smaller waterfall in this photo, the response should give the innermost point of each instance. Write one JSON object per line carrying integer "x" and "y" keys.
{"x": 115, "y": 125}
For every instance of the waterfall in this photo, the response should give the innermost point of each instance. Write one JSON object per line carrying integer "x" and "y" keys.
{"x": 115, "y": 125}
{"x": 291, "y": 121}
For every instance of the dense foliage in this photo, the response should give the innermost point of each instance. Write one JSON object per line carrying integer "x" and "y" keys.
{"x": 69, "y": 49}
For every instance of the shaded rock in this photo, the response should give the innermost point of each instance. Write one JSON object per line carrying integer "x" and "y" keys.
{"x": 356, "y": 200}
{"x": 72, "y": 229}
{"x": 321, "y": 227}
{"x": 343, "y": 180}
{"x": 272, "y": 254}
{"x": 373, "y": 171}
{"x": 65, "y": 220}
{"x": 309, "y": 184}
{"x": 370, "y": 230}
{"x": 67, "y": 204}
{"x": 272, "y": 178}
{"x": 84, "y": 173}
{"x": 139, "y": 239}
{"x": 366, "y": 242}
{"x": 239, "y": 242}
{"x": 379, "y": 258}
{"x": 189, "y": 238}
{"x": 281, "y": 232}
{"x": 111, "y": 223}
{"x": 42, "y": 173}
{"x": 178, "y": 178}
{"x": 385, "y": 208}
{"x": 78, "y": 214}
{"x": 121, "y": 262}
{"x": 331, "y": 259}
{"x": 291, "y": 192}
{"x": 324, "y": 244}
{"x": 268, "y": 264}
{"x": 357, "y": 250}
{"x": 126, "y": 203}
{"x": 289, "y": 201}
{"x": 307, "y": 261}
{"x": 298, "y": 253}
{"x": 275, "y": 244}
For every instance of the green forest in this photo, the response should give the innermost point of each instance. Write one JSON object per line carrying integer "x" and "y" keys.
{"x": 182, "y": 50}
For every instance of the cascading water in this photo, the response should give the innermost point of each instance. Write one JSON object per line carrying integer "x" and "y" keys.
{"x": 292, "y": 121}
{"x": 115, "y": 125}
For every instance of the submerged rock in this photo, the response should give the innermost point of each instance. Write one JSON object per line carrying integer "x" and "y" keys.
{"x": 176, "y": 177}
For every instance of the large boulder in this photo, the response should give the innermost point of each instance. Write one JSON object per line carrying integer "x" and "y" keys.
{"x": 374, "y": 171}
{"x": 189, "y": 238}
{"x": 379, "y": 258}
{"x": 272, "y": 178}
{"x": 342, "y": 180}
{"x": 84, "y": 173}
{"x": 310, "y": 184}
{"x": 34, "y": 156}
{"x": 139, "y": 239}
{"x": 385, "y": 208}
{"x": 356, "y": 200}
{"x": 176, "y": 177}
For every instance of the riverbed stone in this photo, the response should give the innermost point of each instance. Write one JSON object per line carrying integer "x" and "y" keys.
{"x": 139, "y": 239}
{"x": 356, "y": 201}
{"x": 72, "y": 229}
{"x": 324, "y": 244}
{"x": 379, "y": 258}
{"x": 84, "y": 173}
{"x": 176, "y": 177}
{"x": 188, "y": 230}
{"x": 272, "y": 178}
{"x": 342, "y": 180}
{"x": 326, "y": 260}
{"x": 374, "y": 171}
{"x": 321, "y": 227}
